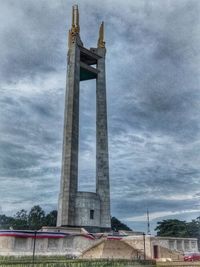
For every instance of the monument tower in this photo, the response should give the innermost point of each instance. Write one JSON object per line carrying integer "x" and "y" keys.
{"x": 75, "y": 208}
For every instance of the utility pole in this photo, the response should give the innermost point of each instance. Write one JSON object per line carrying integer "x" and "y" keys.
{"x": 148, "y": 223}
{"x": 144, "y": 241}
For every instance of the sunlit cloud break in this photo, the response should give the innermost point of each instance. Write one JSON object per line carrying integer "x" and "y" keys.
{"x": 158, "y": 215}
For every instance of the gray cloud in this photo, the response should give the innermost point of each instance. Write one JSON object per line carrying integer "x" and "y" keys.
{"x": 153, "y": 103}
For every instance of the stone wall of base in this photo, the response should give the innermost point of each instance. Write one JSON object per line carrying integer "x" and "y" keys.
{"x": 69, "y": 246}
{"x": 91, "y": 246}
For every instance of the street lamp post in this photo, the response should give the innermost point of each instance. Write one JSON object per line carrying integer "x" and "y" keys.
{"x": 34, "y": 241}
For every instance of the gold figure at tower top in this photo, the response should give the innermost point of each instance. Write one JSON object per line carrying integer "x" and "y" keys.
{"x": 101, "y": 43}
{"x": 75, "y": 20}
{"x": 75, "y": 29}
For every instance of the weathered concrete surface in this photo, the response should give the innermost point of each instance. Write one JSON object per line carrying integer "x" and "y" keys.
{"x": 69, "y": 246}
{"x": 132, "y": 247}
{"x": 112, "y": 249}
{"x": 69, "y": 175}
{"x": 85, "y": 202}
{"x": 181, "y": 245}
{"x": 102, "y": 162}
{"x": 137, "y": 242}
{"x": 127, "y": 248}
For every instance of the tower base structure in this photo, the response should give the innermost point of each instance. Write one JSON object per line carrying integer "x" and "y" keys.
{"x": 83, "y": 245}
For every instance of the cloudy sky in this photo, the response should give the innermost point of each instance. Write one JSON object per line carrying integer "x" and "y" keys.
{"x": 153, "y": 90}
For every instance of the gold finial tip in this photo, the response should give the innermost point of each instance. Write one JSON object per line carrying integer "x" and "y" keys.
{"x": 101, "y": 42}
{"x": 75, "y": 19}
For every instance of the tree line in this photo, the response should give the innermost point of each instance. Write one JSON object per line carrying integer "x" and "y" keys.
{"x": 178, "y": 228}
{"x": 36, "y": 218}
{"x": 32, "y": 220}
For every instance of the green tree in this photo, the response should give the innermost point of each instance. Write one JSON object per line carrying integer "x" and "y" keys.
{"x": 117, "y": 225}
{"x": 21, "y": 220}
{"x": 172, "y": 227}
{"x": 6, "y": 222}
{"x": 51, "y": 217}
{"x": 36, "y": 218}
{"x": 194, "y": 228}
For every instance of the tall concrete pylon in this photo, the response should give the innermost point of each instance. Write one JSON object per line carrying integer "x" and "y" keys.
{"x": 75, "y": 208}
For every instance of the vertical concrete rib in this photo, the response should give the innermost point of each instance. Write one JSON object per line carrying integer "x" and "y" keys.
{"x": 69, "y": 175}
{"x": 102, "y": 162}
